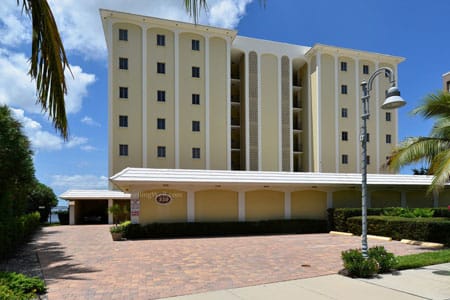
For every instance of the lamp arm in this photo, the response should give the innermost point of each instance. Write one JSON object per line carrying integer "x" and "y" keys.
{"x": 385, "y": 70}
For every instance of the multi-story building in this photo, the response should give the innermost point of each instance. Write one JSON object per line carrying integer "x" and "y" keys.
{"x": 241, "y": 128}
{"x": 446, "y": 82}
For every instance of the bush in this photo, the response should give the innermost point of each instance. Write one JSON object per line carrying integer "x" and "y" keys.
{"x": 409, "y": 213}
{"x": 337, "y": 217}
{"x": 421, "y": 229}
{"x": 19, "y": 286}
{"x": 157, "y": 230}
{"x": 357, "y": 265}
{"x": 386, "y": 260}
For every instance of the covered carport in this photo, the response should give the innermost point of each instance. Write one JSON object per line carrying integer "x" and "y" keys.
{"x": 91, "y": 206}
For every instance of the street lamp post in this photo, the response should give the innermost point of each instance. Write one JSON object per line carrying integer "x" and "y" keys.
{"x": 392, "y": 101}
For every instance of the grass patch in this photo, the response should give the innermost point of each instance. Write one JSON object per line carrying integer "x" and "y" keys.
{"x": 18, "y": 286}
{"x": 423, "y": 259}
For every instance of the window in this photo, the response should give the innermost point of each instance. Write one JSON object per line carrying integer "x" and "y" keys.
{"x": 123, "y": 150}
{"x": 161, "y": 68}
{"x": 196, "y": 45}
{"x": 161, "y": 151}
{"x": 367, "y": 137}
{"x": 123, "y": 63}
{"x": 448, "y": 86}
{"x": 160, "y": 40}
{"x": 161, "y": 96}
{"x": 161, "y": 123}
{"x": 195, "y": 125}
{"x": 344, "y": 112}
{"x": 344, "y": 159}
{"x": 196, "y": 72}
{"x": 368, "y": 159}
{"x": 123, "y": 35}
{"x": 343, "y": 66}
{"x": 123, "y": 92}
{"x": 344, "y": 135}
{"x": 365, "y": 69}
{"x": 196, "y": 99}
{"x": 344, "y": 89}
{"x": 388, "y": 138}
{"x": 388, "y": 116}
{"x": 123, "y": 121}
{"x": 195, "y": 152}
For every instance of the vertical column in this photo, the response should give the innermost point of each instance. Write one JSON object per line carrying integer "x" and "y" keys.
{"x": 395, "y": 111}
{"x": 319, "y": 112}
{"x": 72, "y": 212}
{"x": 330, "y": 203}
{"x": 241, "y": 206}
{"x": 229, "y": 105}
{"x": 336, "y": 109}
{"x": 176, "y": 99}
{"x": 291, "y": 122}
{"x": 111, "y": 146}
{"x": 190, "y": 206}
{"x": 287, "y": 205}
{"x": 357, "y": 115}
{"x": 377, "y": 119}
{"x": 207, "y": 140}
{"x": 258, "y": 66}
{"x": 403, "y": 199}
{"x": 110, "y": 215}
{"x": 310, "y": 136}
{"x": 280, "y": 118}
{"x": 247, "y": 112}
{"x": 135, "y": 208}
{"x": 144, "y": 95}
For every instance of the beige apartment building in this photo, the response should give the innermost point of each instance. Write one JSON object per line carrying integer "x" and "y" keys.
{"x": 237, "y": 128}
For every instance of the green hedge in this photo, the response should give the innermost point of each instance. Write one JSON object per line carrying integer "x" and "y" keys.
{"x": 337, "y": 217}
{"x": 15, "y": 231}
{"x": 157, "y": 230}
{"x": 420, "y": 229}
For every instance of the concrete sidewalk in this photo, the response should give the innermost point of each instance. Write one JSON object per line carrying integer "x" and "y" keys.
{"x": 432, "y": 282}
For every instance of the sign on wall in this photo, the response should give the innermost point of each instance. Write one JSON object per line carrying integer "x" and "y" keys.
{"x": 163, "y": 198}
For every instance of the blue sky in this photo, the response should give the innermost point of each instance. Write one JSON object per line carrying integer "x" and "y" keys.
{"x": 416, "y": 30}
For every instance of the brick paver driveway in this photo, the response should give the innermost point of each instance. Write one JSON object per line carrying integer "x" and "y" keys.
{"x": 82, "y": 262}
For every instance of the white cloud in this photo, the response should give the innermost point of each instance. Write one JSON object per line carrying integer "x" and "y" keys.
{"x": 88, "y": 148}
{"x": 44, "y": 140}
{"x": 79, "y": 182}
{"x": 18, "y": 90}
{"x": 89, "y": 121}
{"x": 14, "y": 26}
{"x": 227, "y": 13}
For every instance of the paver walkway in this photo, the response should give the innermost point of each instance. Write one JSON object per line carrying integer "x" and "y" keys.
{"x": 82, "y": 262}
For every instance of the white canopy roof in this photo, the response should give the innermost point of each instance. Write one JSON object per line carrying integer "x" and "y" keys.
{"x": 93, "y": 195}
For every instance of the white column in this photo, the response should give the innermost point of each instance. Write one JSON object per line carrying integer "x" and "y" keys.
{"x": 258, "y": 65}
{"x": 403, "y": 199}
{"x": 280, "y": 122}
{"x": 207, "y": 139}
{"x": 190, "y": 206}
{"x": 287, "y": 205}
{"x": 337, "y": 112}
{"x": 319, "y": 112}
{"x": 72, "y": 212}
{"x": 330, "y": 203}
{"x": 144, "y": 95}
{"x": 358, "y": 116}
{"x": 228, "y": 105}
{"x": 310, "y": 136}
{"x": 291, "y": 128}
{"x": 247, "y": 114}
{"x": 111, "y": 95}
{"x": 377, "y": 119}
{"x": 110, "y": 215}
{"x": 177, "y": 99}
{"x": 241, "y": 207}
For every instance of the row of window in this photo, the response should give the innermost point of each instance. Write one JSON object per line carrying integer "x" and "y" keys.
{"x": 160, "y": 95}
{"x": 160, "y": 123}
{"x": 344, "y": 114}
{"x": 160, "y": 67}
{"x": 160, "y": 39}
{"x": 161, "y": 151}
{"x": 344, "y": 159}
{"x": 344, "y": 67}
{"x": 344, "y": 137}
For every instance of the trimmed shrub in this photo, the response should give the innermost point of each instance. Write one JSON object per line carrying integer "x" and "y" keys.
{"x": 18, "y": 286}
{"x": 357, "y": 265}
{"x": 421, "y": 229}
{"x": 158, "y": 230}
{"x": 386, "y": 260}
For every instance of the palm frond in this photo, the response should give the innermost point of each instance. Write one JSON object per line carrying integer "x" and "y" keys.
{"x": 441, "y": 170}
{"x": 435, "y": 105}
{"x": 48, "y": 62}
{"x": 193, "y": 7}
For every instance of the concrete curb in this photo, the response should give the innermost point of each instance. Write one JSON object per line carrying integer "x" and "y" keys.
{"x": 341, "y": 233}
{"x": 423, "y": 244}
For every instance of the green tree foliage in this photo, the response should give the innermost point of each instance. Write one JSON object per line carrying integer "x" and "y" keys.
{"x": 432, "y": 150}
{"x": 41, "y": 196}
{"x": 16, "y": 166}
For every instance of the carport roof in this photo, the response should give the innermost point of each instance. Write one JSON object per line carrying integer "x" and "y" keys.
{"x": 136, "y": 179}
{"x": 93, "y": 194}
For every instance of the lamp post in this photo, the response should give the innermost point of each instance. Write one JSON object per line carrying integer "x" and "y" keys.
{"x": 392, "y": 101}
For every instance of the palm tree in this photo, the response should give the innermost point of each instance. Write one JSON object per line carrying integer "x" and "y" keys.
{"x": 433, "y": 150}
{"x": 48, "y": 59}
